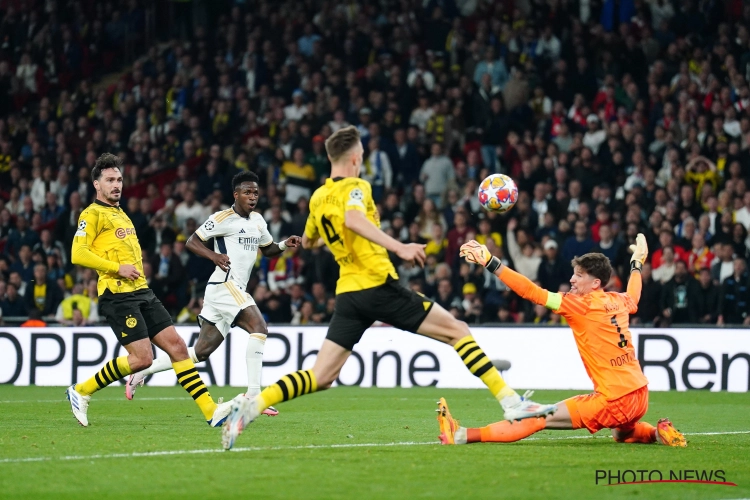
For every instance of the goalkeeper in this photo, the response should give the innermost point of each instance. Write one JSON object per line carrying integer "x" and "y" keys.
{"x": 599, "y": 321}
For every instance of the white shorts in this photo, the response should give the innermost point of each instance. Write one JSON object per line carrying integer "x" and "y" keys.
{"x": 222, "y": 303}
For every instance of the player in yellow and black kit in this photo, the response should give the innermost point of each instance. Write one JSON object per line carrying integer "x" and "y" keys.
{"x": 106, "y": 241}
{"x": 343, "y": 214}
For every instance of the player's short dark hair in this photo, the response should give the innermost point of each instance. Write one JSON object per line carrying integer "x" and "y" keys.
{"x": 105, "y": 161}
{"x": 244, "y": 176}
{"x": 342, "y": 141}
{"x": 594, "y": 264}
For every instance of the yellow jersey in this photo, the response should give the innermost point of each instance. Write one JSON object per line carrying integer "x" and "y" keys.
{"x": 104, "y": 240}
{"x": 363, "y": 264}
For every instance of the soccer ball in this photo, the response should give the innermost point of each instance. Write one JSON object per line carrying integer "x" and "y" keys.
{"x": 498, "y": 193}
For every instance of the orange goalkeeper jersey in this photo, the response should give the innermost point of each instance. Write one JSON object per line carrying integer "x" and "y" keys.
{"x": 599, "y": 321}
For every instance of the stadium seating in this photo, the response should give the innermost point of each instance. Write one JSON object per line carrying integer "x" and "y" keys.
{"x": 611, "y": 121}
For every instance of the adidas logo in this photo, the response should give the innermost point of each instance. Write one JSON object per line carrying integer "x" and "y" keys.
{"x": 242, "y": 231}
{"x": 124, "y": 334}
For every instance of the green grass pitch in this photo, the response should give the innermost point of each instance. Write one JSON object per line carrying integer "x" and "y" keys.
{"x": 336, "y": 445}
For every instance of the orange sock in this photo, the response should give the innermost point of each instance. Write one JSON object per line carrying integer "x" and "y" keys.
{"x": 505, "y": 431}
{"x": 643, "y": 432}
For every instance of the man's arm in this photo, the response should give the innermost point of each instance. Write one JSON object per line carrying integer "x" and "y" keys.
{"x": 82, "y": 255}
{"x": 275, "y": 249}
{"x": 475, "y": 253}
{"x": 359, "y": 223}
{"x": 311, "y": 236}
{"x": 201, "y": 248}
{"x": 310, "y": 243}
{"x": 635, "y": 285}
{"x": 355, "y": 219}
{"x": 525, "y": 288}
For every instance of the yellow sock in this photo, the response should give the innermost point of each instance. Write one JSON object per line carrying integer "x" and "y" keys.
{"x": 288, "y": 387}
{"x": 191, "y": 381}
{"x": 479, "y": 364}
{"x": 112, "y": 371}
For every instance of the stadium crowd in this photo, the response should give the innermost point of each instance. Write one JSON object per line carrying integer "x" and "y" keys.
{"x": 613, "y": 117}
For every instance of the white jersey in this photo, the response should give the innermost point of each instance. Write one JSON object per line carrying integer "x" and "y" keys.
{"x": 239, "y": 238}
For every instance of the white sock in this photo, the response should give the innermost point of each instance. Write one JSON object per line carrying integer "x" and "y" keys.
{"x": 254, "y": 357}
{"x": 164, "y": 363}
{"x": 460, "y": 436}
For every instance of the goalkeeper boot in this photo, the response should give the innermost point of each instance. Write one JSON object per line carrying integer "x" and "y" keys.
{"x": 518, "y": 407}
{"x": 448, "y": 424}
{"x": 79, "y": 405}
{"x": 668, "y": 435}
{"x": 135, "y": 381}
{"x": 244, "y": 411}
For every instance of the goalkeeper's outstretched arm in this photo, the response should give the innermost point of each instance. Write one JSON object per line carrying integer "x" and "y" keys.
{"x": 478, "y": 254}
{"x": 640, "y": 252}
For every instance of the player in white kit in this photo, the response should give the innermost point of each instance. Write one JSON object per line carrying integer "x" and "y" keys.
{"x": 237, "y": 234}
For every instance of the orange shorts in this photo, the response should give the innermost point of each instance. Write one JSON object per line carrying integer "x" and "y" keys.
{"x": 594, "y": 412}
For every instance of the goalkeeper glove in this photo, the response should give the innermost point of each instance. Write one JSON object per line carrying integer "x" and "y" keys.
{"x": 477, "y": 253}
{"x": 640, "y": 252}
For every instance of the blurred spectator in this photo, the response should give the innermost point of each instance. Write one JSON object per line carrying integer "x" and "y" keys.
{"x": 709, "y": 298}
{"x": 438, "y": 244}
{"x": 552, "y": 271}
{"x": 723, "y": 266}
{"x": 493, "y": 67}
{"x": 734, "y": 300}
{"x": 298, "y": 178}
{"x": 680, "y": 297}
{"x": 51, "y": 210}
{"x": 522, "y": 253}
{"x": 460, "y": 234}
{"x": 437, "y": 172}
{"x": 77, "y": 309}
{"x": 35, "y": 319}
{"x": 700, "y": 257}
{"x": 667, "y": 268}
{"x": 49, "y": 246}
{"x": 189, "y": 313}
{"x": 649, "y": 306}
{"x": 169, "y": 276}
{"x": 189, "y": 209}
{"x": 20, "y": 236}
{"x": 666, "y": 239}
{"x": 157, "y": 233}
{"x": 376, "y": 170}
{"x": 445, "y": 295}
{"x": 13, "y": 305}
{"x": 23, "y": 265}
{"x": 612, "y": 248}
{"x": 578, "y": 244}
{"x": 42, "y": 293}
{"x": 277, "y": 226}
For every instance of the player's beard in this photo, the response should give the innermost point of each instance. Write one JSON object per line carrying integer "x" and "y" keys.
{"x": 114, "y": 199}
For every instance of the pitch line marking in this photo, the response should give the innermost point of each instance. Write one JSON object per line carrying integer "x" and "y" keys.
{"x": 301, "y": 447}
{"x": 63, "y": 400}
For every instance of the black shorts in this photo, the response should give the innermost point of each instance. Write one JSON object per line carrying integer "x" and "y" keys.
{"x": 390, "y": 303}
{"x": 134, "y": 315}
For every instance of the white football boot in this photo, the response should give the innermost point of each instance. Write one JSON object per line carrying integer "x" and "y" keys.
{"x": 518, "y": 407}
{"x": 222, "y": 411}
{"x": 244, "y": 411}
{"x": 79, "y": 405}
